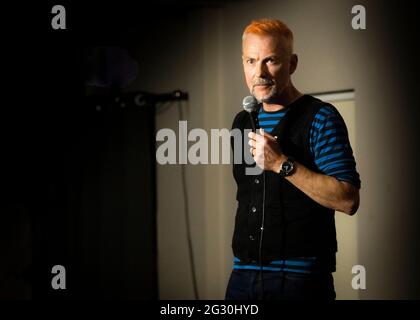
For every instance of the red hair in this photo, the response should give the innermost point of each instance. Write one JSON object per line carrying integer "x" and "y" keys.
{"x": 274, "y": 28}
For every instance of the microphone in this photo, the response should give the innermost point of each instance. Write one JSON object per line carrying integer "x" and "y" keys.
{"x": 250, "y": 105}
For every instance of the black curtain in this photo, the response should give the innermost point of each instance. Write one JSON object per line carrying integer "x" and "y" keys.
{"x": 114, "y": 199}
{"x": 93, "y": 189}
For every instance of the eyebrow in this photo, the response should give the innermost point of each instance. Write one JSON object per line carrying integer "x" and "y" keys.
{"x": 272, "y": 56}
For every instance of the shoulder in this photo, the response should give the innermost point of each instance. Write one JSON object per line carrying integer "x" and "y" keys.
{"x": 239, "y": 120}
{"x": 305, "y": 108}
{"x": 328, "y": 122}
{"x": 329, "y": 110}
{"x": 328, "y": 114}
{"x": 318, "y": 106}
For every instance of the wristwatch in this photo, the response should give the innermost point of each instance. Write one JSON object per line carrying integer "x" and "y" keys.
{"x": 287, "y": 167}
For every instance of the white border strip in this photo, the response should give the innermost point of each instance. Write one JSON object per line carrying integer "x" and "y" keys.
{"x": 336, "y": 96}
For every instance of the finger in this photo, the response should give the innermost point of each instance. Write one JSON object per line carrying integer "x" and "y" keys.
{"x": 252, "y": 151}
{"x": 267, "y": 135}
{"x": 252, "y": 143}
{"x": 260, "y": 139}
{"x": 252, "y": 135}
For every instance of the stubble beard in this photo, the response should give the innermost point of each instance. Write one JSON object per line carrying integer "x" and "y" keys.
{"x": 268, "y": 98}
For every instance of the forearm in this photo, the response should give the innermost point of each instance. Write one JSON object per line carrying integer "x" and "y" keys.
{"x": 325, "y": 190}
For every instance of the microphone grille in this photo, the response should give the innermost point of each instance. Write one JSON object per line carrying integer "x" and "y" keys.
{"x": 250, "y": 104}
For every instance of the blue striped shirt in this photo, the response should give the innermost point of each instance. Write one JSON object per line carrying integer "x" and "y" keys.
{"x": 329, "y": 142}
{"x": 299, "y": 265}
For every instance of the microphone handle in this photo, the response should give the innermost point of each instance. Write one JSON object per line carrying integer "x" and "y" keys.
{"x": 252, "y": 122}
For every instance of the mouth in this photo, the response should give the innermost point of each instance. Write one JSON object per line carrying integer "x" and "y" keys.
{"x": 263, "y": 86}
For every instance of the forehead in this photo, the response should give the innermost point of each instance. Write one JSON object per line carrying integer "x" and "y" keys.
{"x": 262, "y": 44}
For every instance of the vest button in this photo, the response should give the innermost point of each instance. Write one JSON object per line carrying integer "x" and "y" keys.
{"x": 251, "y": 237}
{"x": 253, "y": 209}
{"x": 257, "y": 181}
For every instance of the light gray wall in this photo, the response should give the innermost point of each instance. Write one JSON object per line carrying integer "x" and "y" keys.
{"x": 202, "y": 55}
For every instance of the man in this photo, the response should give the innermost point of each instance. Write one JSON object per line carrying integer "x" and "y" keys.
{"x": 284, "y": 241}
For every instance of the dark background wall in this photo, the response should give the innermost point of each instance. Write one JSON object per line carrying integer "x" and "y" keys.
{"x": 78, "y": 186}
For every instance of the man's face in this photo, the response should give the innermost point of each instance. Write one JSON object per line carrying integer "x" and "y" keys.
{"x": 266, "y": 66}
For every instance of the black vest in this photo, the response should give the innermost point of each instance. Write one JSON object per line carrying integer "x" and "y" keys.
{"x": 295, "y": 225}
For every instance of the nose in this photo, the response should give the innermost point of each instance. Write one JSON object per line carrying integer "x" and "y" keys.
{"x": 260, "y": 71}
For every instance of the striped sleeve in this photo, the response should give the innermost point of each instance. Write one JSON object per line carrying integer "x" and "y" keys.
{"x": 330, "y": 146}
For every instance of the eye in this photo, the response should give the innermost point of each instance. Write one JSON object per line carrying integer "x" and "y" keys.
{"x": 250, "y": 61}
{"x": 271, "y": 61}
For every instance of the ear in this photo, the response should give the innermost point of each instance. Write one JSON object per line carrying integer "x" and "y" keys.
{"x": 293, "y": 63}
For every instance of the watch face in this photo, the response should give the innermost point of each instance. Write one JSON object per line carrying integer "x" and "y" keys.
{"x": 287, "y": 166}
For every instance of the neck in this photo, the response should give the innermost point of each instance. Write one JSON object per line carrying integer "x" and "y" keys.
{"x": 288, "y": 95}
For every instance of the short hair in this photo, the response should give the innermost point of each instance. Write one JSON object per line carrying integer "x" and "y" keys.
{"x": 274, "y": 28}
